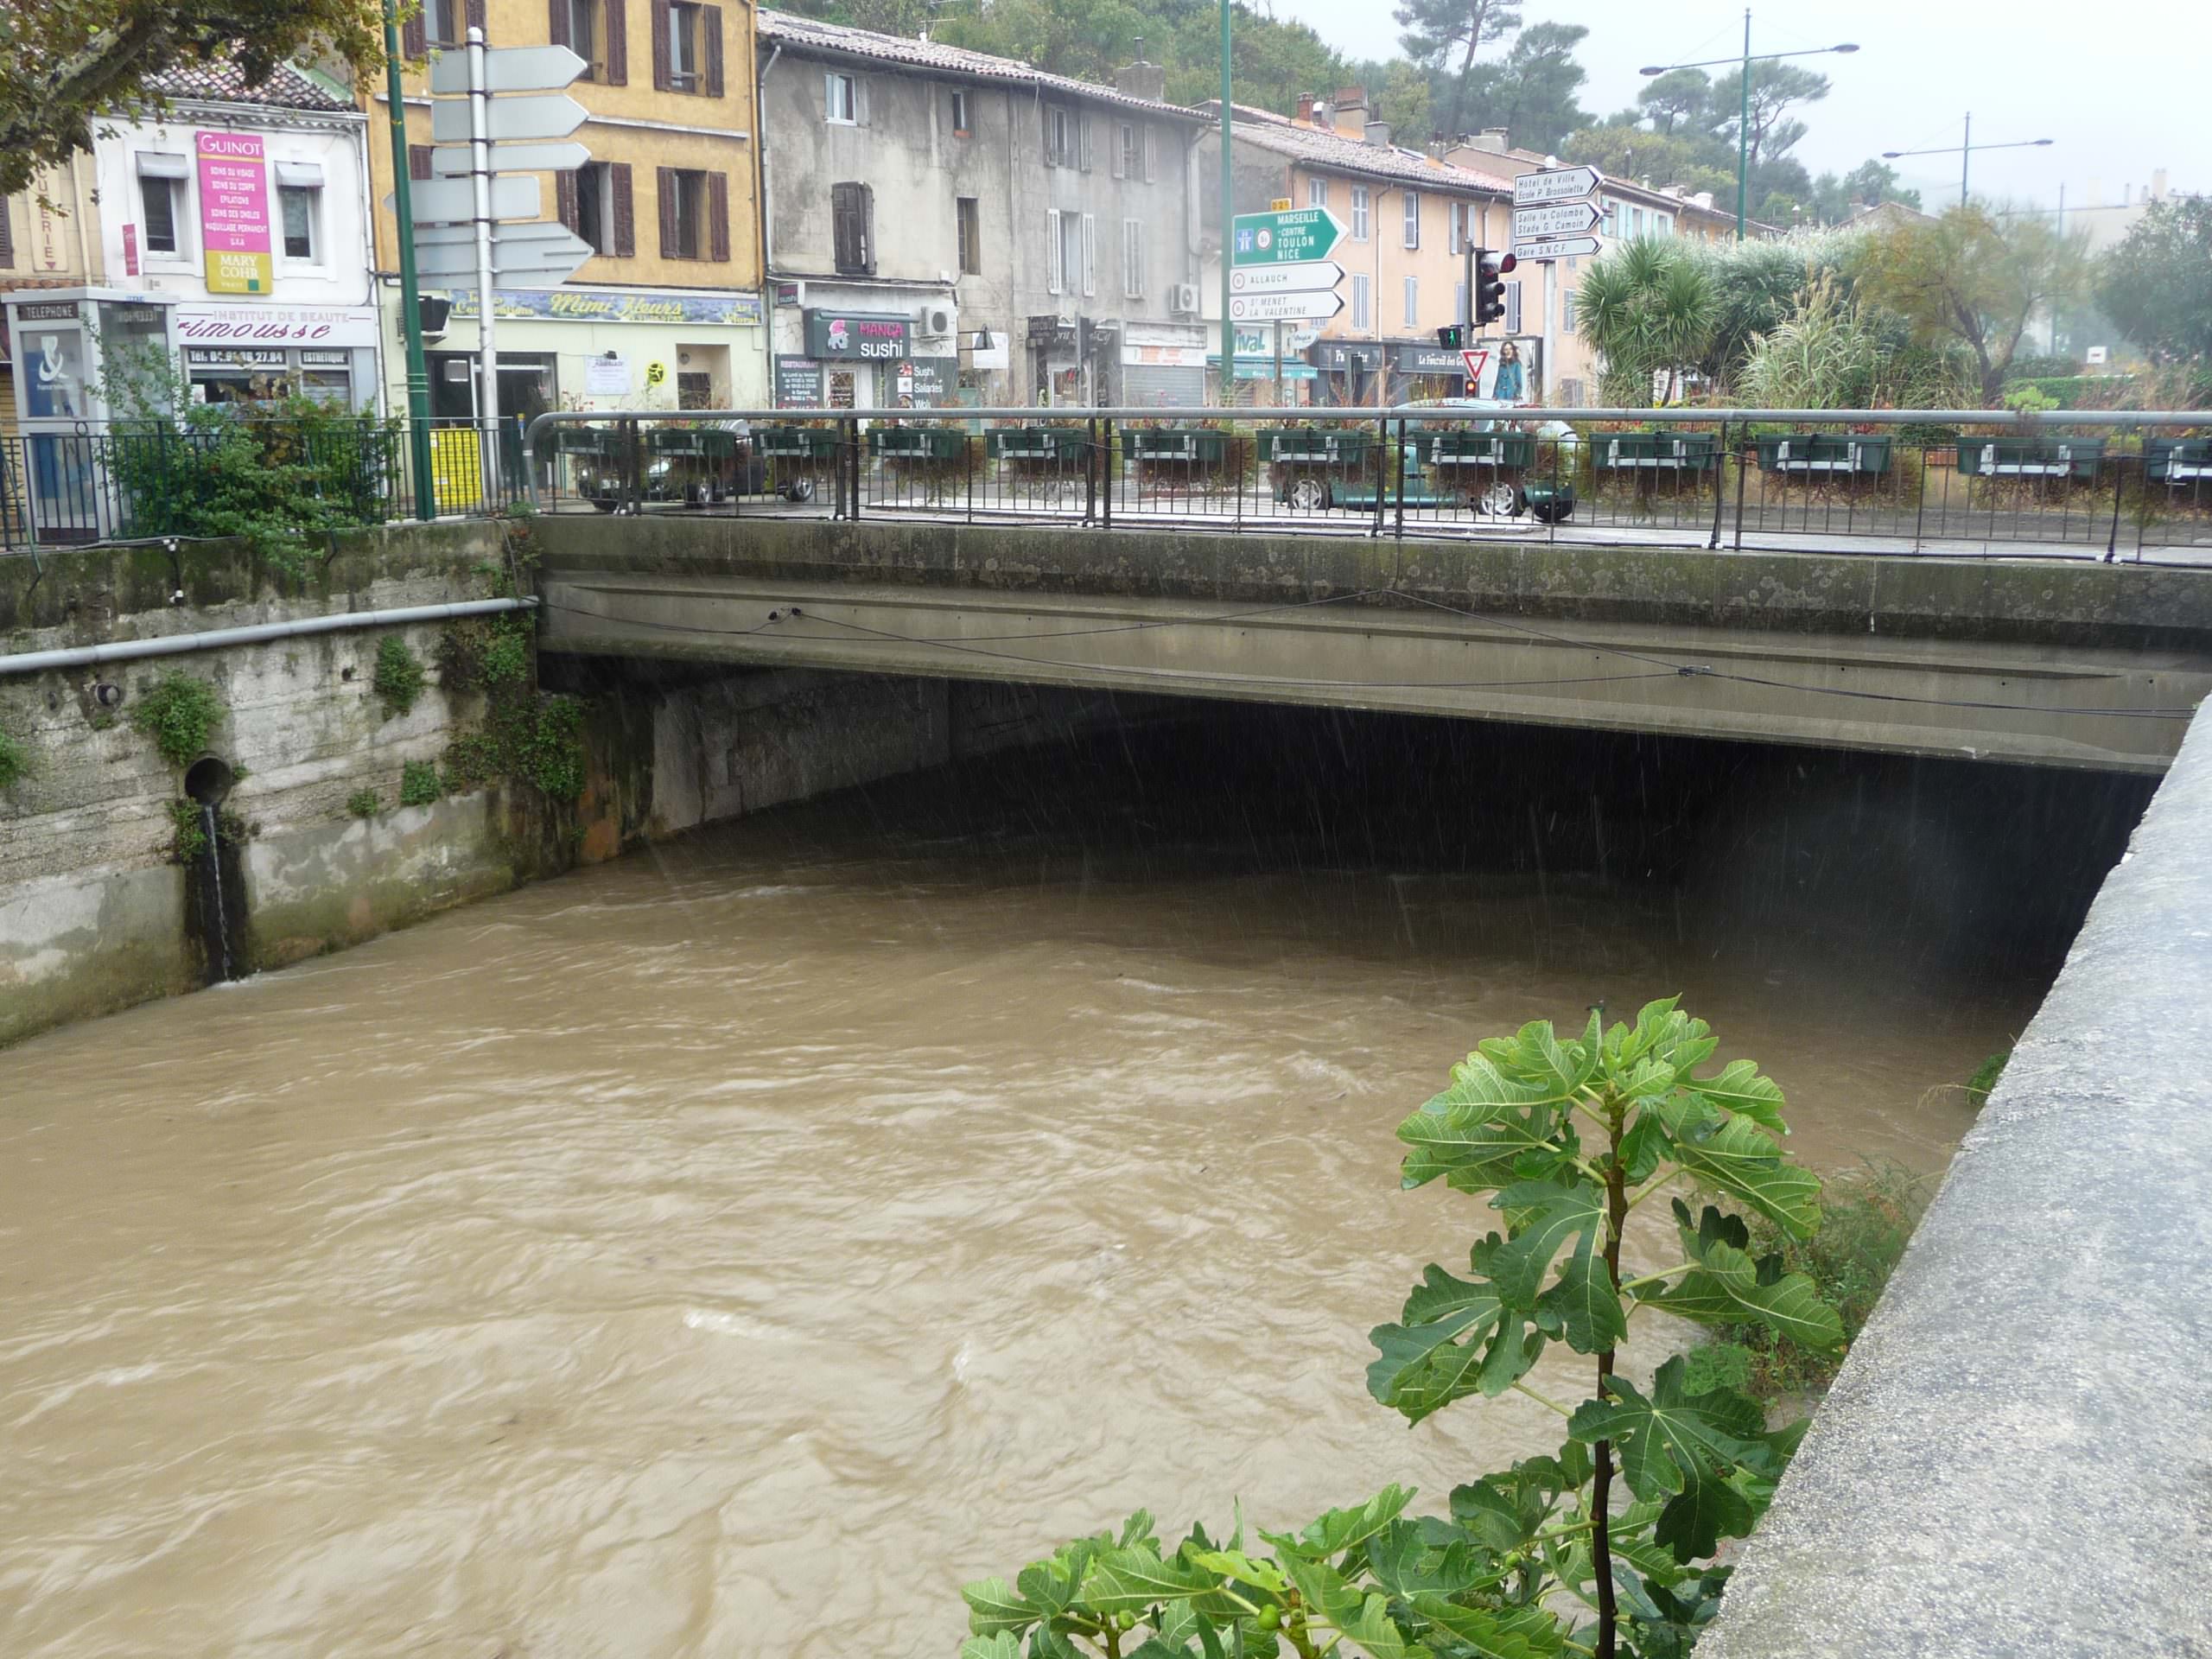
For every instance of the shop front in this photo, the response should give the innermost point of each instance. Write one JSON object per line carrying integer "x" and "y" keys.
{"x": 862, "y": 360}
{"x": 1162, "y": 366}
{"x": 84, "y": 356}
{"x": 1420, "y": 370}
{"x": 1347, "y": 373}
{"x": 236, "y": 351}
{"x": 1262, "y": 380}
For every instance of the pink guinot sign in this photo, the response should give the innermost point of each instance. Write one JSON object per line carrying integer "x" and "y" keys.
{"x": 234, "y": 213}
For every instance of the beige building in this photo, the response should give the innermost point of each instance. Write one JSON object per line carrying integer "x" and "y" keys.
{"x": 668, "y": 312}
{"x": 49, "y": 237}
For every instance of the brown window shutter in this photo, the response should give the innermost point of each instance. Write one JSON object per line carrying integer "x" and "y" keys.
{"x": 616, "y": 14}
{"x": 666, "y": 178}
{"x": 718, "y": 217}
{"x": 475, "y": 17}
{"x": 710, "y": 27}
{"x": 556, "y": 23}
{"x": 626, "y": 218}
{"x": 415, "y": 37}
{"x": 418, "y": 161}
{"x": 661, "y": 75}
{"x": 564, "y": 199}
{"x": 7, "y": 235}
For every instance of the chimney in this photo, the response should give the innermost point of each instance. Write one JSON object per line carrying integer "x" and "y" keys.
{"x": 1305, "y": 107}
{"x": 1378, "y": 132}
{"x": 1349, "y": 111}
{"x": 2157, "y": 184}
{"x": 1142, "y": 79}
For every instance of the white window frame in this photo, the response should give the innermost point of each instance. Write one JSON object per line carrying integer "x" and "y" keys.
{"x": 1359, "y": 213}
{"x": 1412, "y": 219}
{"x": 1061, "y": 136}
{"x": 841, "y": 99}
{"x": 1567, "y": 317}
{"x": 1413, "y": 301}
{"x": 1055, "y": 265}
{"x": 1317, "y": 193}
{"x": 688, "y": 76}
{"x": 1362, "y": 307}
{"x": 1127, "y": 163}
{"x": 968, "y": 259}
{"x": 175, "y": 186}
{"x": 314, "y": 195}
{"x": 963, "y": 116}
{"x": 1133, "y": 258}
{"x": 1090, "y": 255}
{"x": 601, "y": 234}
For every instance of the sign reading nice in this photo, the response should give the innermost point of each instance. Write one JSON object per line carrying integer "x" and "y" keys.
{"x": 234, "y": 213}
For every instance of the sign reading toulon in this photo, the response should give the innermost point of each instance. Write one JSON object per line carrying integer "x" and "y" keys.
{"x": 1559, "y": 184}
{"x": 1558, "y": 219}
{"x": 1284, "y": 238}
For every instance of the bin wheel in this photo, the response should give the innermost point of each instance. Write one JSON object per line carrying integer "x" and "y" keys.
{"x": 1502, "y": 502}
{"x": 799, "y": 489}
{"x": 1309, "y": 495}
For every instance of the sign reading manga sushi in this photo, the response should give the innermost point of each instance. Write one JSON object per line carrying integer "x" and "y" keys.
{"x": 234, "y": 213}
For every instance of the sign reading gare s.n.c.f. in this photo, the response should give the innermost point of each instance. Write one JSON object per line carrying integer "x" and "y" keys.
{"x": 858, "y": 333}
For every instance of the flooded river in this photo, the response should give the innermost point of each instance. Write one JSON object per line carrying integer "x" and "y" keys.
{"x": 730, "y": 1250}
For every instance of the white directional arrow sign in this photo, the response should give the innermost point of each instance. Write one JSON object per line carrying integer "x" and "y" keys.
{"x": 1559, "y": 184}
{"x": 511, "y": 69}
{"x": 511, "y": 158}
{"x": 1307, "y": 276}
{"x": 550, "y": 115}
{"x": 443, "y": 201}
{"x": 1556, "y": 219}
{"x": 1306, "y": 305}
{"x": 1565, "y": 247}
{"x": 550, "y": 259}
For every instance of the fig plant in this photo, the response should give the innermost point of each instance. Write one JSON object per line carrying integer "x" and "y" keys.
{"x": 1566, "y": 1137}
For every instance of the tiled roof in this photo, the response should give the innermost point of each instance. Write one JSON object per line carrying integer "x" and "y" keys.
{"x": 1317, "y": 148}
{"x": 811, "y": 35}
{"x": 218, "y": 80}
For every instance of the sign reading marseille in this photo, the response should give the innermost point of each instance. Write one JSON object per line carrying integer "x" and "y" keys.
{"x": 1281, "y": 239}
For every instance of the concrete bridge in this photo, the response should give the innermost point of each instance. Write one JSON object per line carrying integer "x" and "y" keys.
{"x": 2064, "y": 664}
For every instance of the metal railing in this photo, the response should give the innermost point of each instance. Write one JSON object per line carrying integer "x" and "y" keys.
{"x": 127, "y": 481}
{"x": 2084, "y": 484}
{"x": 2090, "y": 484}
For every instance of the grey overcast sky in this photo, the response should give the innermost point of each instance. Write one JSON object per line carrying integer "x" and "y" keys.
{"x": 2121, "y": 87}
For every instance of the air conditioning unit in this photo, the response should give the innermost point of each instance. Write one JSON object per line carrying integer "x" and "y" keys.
{"x": 936, "y": 320}
{"x": 1183, "y": 299}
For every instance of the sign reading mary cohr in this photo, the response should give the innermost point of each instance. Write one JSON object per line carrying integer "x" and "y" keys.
{"x": 234, "y": 213}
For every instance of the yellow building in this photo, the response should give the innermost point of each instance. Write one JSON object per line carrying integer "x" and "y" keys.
{"x": 1410, "y": 215}
{"x": 668, "y": 312}
{"x": 49, "y": 237}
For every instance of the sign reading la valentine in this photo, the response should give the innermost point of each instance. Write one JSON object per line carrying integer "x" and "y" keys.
{"x": 234, "y": 213}
{"x": 274, "y": 325}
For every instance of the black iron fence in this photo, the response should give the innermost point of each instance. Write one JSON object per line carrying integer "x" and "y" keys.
{"x": 2078, "y": 484}
{"x": 145, "y": 481}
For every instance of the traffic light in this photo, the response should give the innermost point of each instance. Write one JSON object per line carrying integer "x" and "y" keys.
{"x": 1452, "y": 337}
{"x": 1490, "y": 284}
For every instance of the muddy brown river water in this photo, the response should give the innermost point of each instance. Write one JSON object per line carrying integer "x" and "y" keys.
{"x": 730, "y": 1250}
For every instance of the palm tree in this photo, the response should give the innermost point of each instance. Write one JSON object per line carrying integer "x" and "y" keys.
{"x": 1650, "y": 309}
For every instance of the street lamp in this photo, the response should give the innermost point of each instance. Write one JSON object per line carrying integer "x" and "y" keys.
{"x": 1744, "y": 117}
{"x": 1228, "y": 225}
{"x": 1965, "y": 152}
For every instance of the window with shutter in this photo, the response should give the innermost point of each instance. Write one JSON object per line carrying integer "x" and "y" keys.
{"x": 1359, "y": 300}
{"x": 564, "y": 199}
{"x": 659, "y": 22}
{"x": 1089, "y": 254}
{"x": 1083, "y": 140}
{"x": 687, "y": 27}
{"x": 1125, "y": 150}
{"x": 623, "y": 210}
{"x": 840, "y": 102}
{"x": 664, "y": 200}
{"x": 968, "y": 214}
{"x": 710, "y": 43}
{"x": 6, "y": 234}
{"x": 1132, "y": 258}
{"x": 1412, "y": 219}
{"x": 418, "y": 161}
{"x": 556, "y": 25}
{"x": 1359, "y": 213}
{"x": 1146, "y": 139}
{"x": 415, "y": 38}
{"x": 1055, "y": 266}
{"x": 718, "y": 218}
{"x": 1317, "y": 193}
{"x": 852, "y": 232}
{"x": 615, "y": 21}
{"x": 1413, "y": 301}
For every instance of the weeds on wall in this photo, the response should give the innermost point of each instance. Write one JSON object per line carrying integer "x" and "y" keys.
{"x": 188, "y": 831}
{"x": 526, "y": 737}
{"x": 399, "y": 678}
{"x": 365, "y": 804}
{"x": 419, "y": 783}
{"x": 15, "y": 761}
{"x": 177, "y": 711}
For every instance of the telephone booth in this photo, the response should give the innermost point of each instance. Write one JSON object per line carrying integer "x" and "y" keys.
{"x": 78, "y": 352}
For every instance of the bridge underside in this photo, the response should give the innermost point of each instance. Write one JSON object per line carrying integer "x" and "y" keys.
{"x": 1369, "y": 640}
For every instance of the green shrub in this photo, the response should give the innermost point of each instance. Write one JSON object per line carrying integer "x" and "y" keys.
{"x": 365, "y": 804}
{"x": 1866, "y": 1220}
{"x": 419, "y": 785}
{"x": 1985, "y": 1077}
{"x": 399, "y": 677}
{"x": 15, "y": 761}
{"x": 188, "y": 831}
{"x": 177, "y": 712}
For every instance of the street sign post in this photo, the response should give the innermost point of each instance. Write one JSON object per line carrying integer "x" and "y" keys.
{"x": 1554, "y": 219}
{"x": 545, "y": 253}
{"x": 511, "y": 69}
{"x": 446, "y": 202}
{"x": 1302, "y": 236}
{"x": 452, "y": 162}
{"x": 1308, "y": 305}
{"x": 1565, "y": 247}
{"x": 1306, "y": 275}
{"x": 552, "y": 115}
{"x": 1556, "y": 184}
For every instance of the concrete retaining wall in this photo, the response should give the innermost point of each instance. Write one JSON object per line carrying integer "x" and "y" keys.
{"x": 2013, "y": 1460}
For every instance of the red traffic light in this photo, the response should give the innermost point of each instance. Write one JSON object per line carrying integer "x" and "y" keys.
{"x": 1506, "y": 262}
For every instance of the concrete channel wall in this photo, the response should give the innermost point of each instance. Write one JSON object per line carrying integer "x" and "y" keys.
{"x": 2017, "y": 1459}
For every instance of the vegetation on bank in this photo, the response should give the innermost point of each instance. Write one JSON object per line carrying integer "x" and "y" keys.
{"x": 177, "y": 712}
{"x": 1564, "y": 1138}
{"x": 15, "y": 760}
